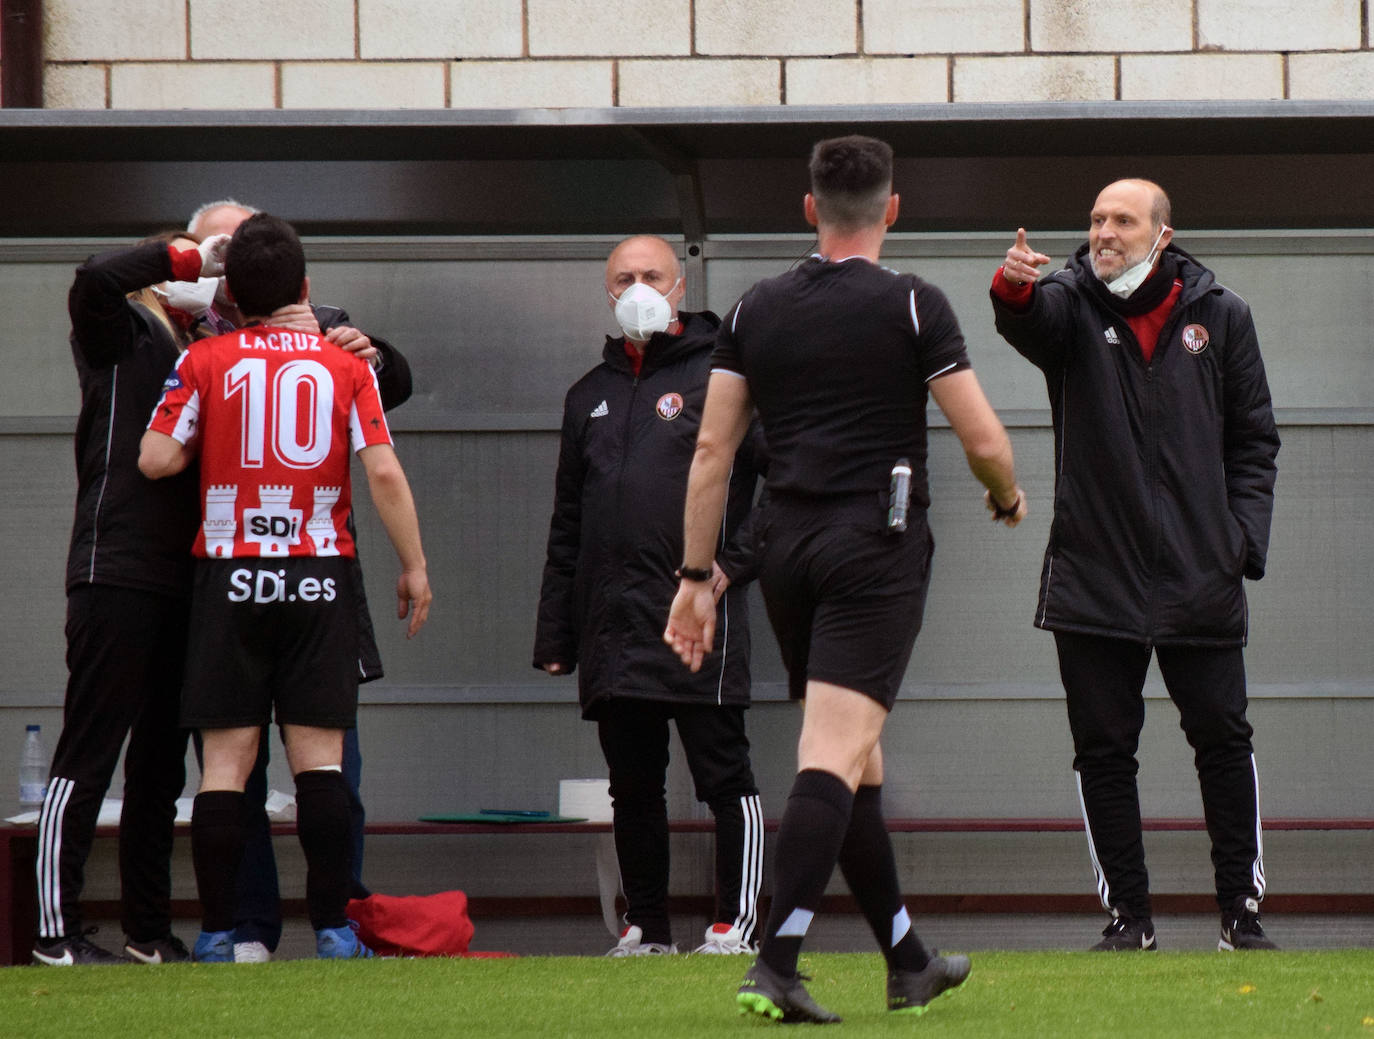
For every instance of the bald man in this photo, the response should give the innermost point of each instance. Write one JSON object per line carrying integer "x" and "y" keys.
{"x": 1164, "y": 488}
{"x": 615, "y": 541}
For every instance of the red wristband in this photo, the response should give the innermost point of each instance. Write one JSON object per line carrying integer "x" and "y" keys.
{"x": 1016, "y": 295}
{"x": 186, "y": 263}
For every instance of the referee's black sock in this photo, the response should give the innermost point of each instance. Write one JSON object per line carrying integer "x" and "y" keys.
{"x": 809, "y": 837}
{"x": 216, "y": 848}
{"x": 870, "y": 869}
{"x": 322, "y": 816}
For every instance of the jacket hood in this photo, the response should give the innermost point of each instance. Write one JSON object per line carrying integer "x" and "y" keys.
{"x": 698, "y": 330}
{"x": 1197, "y": 279}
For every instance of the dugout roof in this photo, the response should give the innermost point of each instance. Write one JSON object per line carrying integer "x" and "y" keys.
{"x": 689, "y": 171}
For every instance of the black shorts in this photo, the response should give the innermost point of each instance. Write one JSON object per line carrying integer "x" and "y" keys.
{"x": 272, "y": 631}
{"x": 844, "y": 596}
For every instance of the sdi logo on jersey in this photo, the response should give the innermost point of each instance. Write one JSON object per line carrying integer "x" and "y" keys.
{"x": 267, "y": 586}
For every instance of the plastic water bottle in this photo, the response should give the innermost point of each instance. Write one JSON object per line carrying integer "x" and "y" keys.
{"x": 33, "y": 769}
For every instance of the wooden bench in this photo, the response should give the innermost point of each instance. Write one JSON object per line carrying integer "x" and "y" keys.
{"x": 19, "y": 846}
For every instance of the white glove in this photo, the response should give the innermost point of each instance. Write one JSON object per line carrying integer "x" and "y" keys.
{"x": 212, "y": 252}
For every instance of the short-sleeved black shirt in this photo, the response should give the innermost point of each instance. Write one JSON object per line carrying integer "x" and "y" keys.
{"x": 837, "y": 356}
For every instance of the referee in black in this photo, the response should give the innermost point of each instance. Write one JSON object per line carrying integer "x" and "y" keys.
{"x": 839, "y": 355}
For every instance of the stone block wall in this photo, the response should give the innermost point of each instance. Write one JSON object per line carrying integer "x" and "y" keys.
{"x": 151, "y": 54}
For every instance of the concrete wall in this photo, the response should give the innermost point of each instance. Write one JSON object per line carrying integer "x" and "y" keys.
{"x": 150, "y": 54}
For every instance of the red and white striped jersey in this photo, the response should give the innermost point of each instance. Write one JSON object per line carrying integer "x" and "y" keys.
{"x": 276, "y": 415}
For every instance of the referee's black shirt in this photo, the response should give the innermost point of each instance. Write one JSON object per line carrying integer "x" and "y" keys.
{"x": 837, "y": 356}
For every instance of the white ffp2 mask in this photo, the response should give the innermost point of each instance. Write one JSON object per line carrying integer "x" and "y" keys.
{"x": 1132, "y": 278}
{"x": 192, "y": 297}
{"x": 641, "y": 310}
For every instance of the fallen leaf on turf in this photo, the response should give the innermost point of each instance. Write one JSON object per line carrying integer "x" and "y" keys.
{"x": 1314, "y": 996}
{"x": 1245, "y": 990}
{"x": 1368, "y": 1022}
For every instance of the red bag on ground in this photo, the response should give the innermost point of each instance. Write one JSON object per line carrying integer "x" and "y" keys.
{"x": 413, "y": 925}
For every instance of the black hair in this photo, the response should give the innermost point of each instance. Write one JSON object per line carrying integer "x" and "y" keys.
{"x": 851, "y": 180}
{"x": 265, "y": 265}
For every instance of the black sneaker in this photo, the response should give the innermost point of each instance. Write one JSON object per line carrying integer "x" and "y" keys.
{"x": 910, "y": 991}
{"x": 767, "y": 993}
{"x": 1240, "y": 927}
{"x": 1127, "y": 933}
{"x": 170, "y": 949}
{"x": 67, "y": 952}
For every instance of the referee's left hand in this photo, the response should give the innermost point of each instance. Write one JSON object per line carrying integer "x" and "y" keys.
{"x": 692, "y": 622}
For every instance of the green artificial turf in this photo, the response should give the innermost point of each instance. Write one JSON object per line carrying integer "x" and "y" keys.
{"x": 1040, "y": 995}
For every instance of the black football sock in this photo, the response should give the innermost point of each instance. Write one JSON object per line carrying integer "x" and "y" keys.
{"x": 870, "y": 869}
{"x": 216, "y": 848}
{"x": 322, "y": 818}
{"x": 809, "y": 837}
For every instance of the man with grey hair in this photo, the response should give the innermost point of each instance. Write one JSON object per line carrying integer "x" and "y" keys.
{"x": 222, "y": 216}
{"x": 1164, "y": 488}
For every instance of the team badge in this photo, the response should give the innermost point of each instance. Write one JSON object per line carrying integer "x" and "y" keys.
{"x": 669, "y": 406}
{"x": 1195, "y": 339}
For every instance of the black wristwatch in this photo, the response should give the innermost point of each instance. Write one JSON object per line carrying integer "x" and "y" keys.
{"x": 693, "y": 573}
{"x": 999, "y": 513}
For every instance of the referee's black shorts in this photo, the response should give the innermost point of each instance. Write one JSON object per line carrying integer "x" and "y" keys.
{"x": 268, "y": 631}
{"x": 845, "y": 597}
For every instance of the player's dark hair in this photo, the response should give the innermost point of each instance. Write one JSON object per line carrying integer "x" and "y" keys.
{"x": 265, "y": 265}
{"x": 851, "y": 180}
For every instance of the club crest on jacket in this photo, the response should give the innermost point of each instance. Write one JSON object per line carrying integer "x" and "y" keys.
{"x": 669, "y": 406}
{"x": 1195, "y": 339}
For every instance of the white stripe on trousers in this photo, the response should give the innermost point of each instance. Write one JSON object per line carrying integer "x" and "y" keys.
{"x": 1257, "y": 867}
{"x": 48, "y": 867}
{"x": 1103, "y": 891}
{"x": 751, "y": 864}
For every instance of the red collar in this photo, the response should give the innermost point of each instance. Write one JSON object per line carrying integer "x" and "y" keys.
{"x": 637, "y": 358}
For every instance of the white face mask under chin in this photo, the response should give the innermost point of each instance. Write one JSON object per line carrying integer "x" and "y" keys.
{"x": 641, "y": 310}
{"x": 1132, "y": 278}
{"x": 193, "y": 297}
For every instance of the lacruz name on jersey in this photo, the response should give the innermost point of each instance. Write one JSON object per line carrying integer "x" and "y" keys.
{"x": 281, "y": 342}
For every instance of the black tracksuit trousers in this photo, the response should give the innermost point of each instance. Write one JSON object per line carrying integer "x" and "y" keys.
{"x": 1103, "y": 680}
{"x": 125, "y": 653}
{"x": 634, "y": 738}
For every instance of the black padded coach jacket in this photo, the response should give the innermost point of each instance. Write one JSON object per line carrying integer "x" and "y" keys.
{"x": 127, "y": 531}
{"x": 616, "y": 534}
{"x": 1165, "y": 470}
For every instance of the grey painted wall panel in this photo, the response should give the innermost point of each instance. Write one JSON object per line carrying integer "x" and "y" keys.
{"x": 38, "y": 489}
{"x": 944, "y": 757}
{"x": 493, "y": 336}
{"x": 485, "y": 337}
{"x": 39, "y": 378}
{"x": 496, "y": 333}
